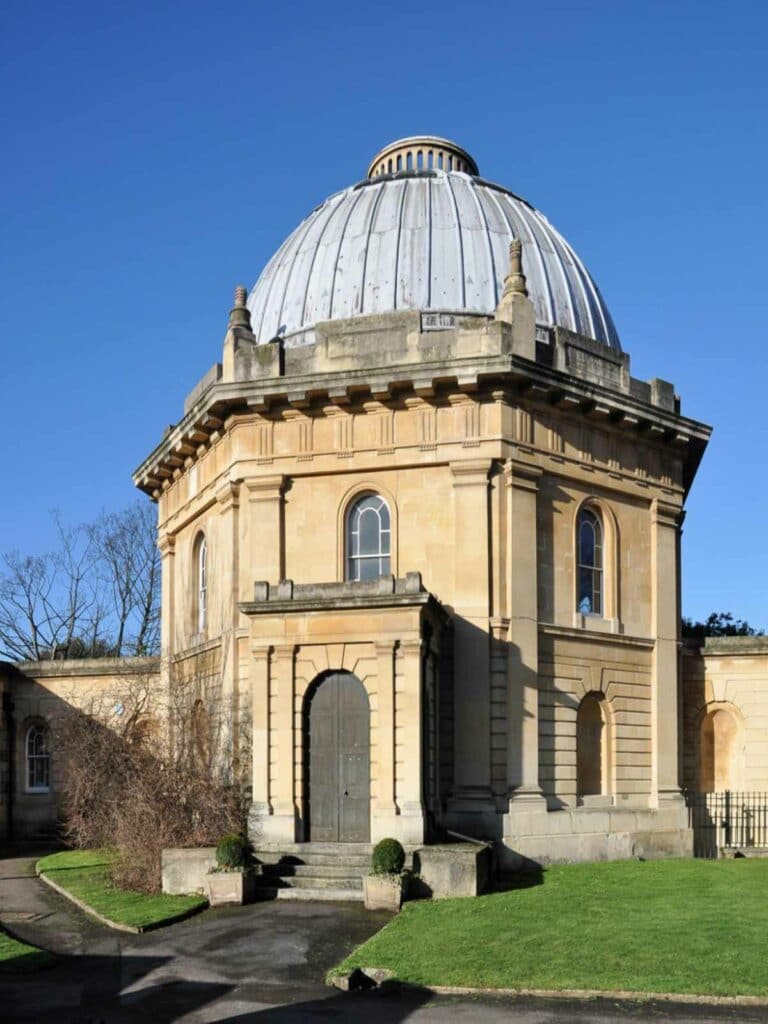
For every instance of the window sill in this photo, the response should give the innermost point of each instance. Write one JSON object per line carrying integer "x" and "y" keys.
{"x": 37, "y": 792}
{"x": 596, "y": 623}
{"x": 595, "y": 801}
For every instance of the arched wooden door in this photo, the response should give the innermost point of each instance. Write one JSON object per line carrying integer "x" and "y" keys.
{"x": 338, "y": 728}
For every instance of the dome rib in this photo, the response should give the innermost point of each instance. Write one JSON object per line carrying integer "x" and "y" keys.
{"x": 430, "y": 240}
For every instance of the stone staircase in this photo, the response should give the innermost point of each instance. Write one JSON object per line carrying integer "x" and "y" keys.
{"x": 313, "y": 871}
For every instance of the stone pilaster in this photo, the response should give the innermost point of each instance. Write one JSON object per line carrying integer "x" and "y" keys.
{"x": 167, "y": 546}
{"x": 410, "y": 826}
{"x": 264, "y": 548}
{"x": 261, "y": 808}
{"x": 665, "y": 568}
{"x": 523, "y": 651}
{"x": 383, "y": 817}
{"x": 227, "y": 561}
{"x": 472, "y": 772}
{"x": 283, "y": 740}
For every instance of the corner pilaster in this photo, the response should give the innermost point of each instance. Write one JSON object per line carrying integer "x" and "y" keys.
{"x": 471, "y": 609}
{"x": 665, "y": 570}
{"x": 522, "y": 480}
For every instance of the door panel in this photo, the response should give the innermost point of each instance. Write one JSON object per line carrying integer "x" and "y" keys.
{"x": 339, "y": 788}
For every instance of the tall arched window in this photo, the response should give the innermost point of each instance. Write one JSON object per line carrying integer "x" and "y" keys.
{"x": 38, "y": 760}
{"x": 201, "y": 578}
{"x": 589, "y": 540}
{"x": 368, "y": 538}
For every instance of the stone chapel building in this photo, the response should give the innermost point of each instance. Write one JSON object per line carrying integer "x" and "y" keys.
{"x": 420, "y": 531}
{"x": 425, "y": 525}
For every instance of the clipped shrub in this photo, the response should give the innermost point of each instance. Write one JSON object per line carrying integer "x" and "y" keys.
{"x": 232, "y": 851}
{"x": 388, "y": 857}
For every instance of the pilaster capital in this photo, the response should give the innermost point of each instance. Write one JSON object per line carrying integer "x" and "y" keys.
{"x": 166, "y": 544}
{"x": 663, "y": 513}
{"x": 470, "y": 472}
{"x": 265, "y": 488}
{"x": 411, "y": 648}
{"x": 283, "y": 652}
{"x": 384, "y": 648}
{"x": 521, "y": 475}
{"x": 260, "y": 651}
{"x": 228, "y": 495}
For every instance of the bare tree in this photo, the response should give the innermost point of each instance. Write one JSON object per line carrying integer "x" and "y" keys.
{"x": 95, "y": 595}
{"x": 125, "y": 787}
{"x": 50, "y": 605}
{"x": 129, "y": 566}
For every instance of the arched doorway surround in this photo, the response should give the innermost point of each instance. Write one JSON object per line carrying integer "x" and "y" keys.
{"x": 337, "y": 746}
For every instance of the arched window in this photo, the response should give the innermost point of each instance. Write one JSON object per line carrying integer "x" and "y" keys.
{"x": 589, "y": 540}
{"x": 201, "y": 582}
{"x": 591, "y": 747}
{"x": 38, "y": 760}
{"x": 368, "y": 538}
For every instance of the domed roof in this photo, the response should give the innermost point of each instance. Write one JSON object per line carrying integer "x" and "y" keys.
{"x": 418, "y": 234}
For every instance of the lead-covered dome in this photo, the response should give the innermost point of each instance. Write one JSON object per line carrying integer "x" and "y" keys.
{"x": 422, "y": 232}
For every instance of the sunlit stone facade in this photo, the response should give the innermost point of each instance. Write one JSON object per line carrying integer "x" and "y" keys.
{"x": 436, "y": 491}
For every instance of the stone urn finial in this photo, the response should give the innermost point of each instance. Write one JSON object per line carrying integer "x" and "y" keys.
{"x": 514, "y": 282}
{"x": 240, "y": 315}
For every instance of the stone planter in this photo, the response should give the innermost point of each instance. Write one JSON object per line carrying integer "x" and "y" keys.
{"x": 384, "y": 892}
{"x": 224, "y": 887}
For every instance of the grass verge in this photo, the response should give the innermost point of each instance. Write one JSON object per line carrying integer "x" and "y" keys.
{"x": 676, "y": 926}
{"x": 83, "y": 874}
{"x": 18, "y": 956}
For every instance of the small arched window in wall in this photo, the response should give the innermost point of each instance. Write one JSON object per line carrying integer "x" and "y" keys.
{"x": 201, "y": 583}
{"x": 368, "y": 534}
{"x": 589, "y": 541}
{"x": 38, "y": 760}
{"x": 591, "y": 747}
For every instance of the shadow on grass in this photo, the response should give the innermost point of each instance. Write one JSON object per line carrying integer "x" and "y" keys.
{"x": 27, "y": 962}
{"x": 527, "y": 879}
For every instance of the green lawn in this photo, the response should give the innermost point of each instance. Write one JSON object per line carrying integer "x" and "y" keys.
{"x": 18, "y": 956}
{"x": 685, "y": 926}
{"x": 83, "y": 873}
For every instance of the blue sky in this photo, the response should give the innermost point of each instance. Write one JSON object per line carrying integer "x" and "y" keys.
{"x": 155, "y": 154}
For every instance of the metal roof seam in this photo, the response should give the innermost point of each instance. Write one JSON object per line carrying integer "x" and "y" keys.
{"x": 462, "y": 275}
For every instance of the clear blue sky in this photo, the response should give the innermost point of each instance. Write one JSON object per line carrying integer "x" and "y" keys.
{"x": 155, "y": 154}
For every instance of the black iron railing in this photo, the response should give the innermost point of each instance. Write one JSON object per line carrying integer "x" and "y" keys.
{"x": 727, "y": 820}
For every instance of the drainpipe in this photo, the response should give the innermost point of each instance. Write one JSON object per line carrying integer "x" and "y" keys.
{"x": 8, "y": 708}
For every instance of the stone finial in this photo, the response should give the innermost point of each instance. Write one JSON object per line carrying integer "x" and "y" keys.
{"x": 240, "y": 315}
{"x": 514, "y": 282}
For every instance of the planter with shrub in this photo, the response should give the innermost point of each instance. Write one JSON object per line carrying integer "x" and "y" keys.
{"x": 232, "y": 880}
{"x": 386, "y": 886}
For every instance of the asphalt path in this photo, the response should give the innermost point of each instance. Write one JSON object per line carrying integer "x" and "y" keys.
{"x": 264, "y": 962}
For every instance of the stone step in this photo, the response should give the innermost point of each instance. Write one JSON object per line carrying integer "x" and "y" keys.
{"x": 284, "y": 869}
{"x": 349, "y": 860}
{"x": 310, "y": 881}
{"x": 317, "y": 847}
{"x": 321, "y": 882}
{"x": 322, "y": 895}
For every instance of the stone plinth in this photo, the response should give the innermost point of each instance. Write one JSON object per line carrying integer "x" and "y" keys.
{"x": 185, "y": 871}
{"x": 453, "y": 869}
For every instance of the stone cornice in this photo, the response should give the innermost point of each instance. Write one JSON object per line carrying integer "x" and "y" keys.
{"x": 89, "y": 667}
{"x": 593, "y": 636}
{"x": 385, "y": 592}
{"x": 496, "y": 374}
